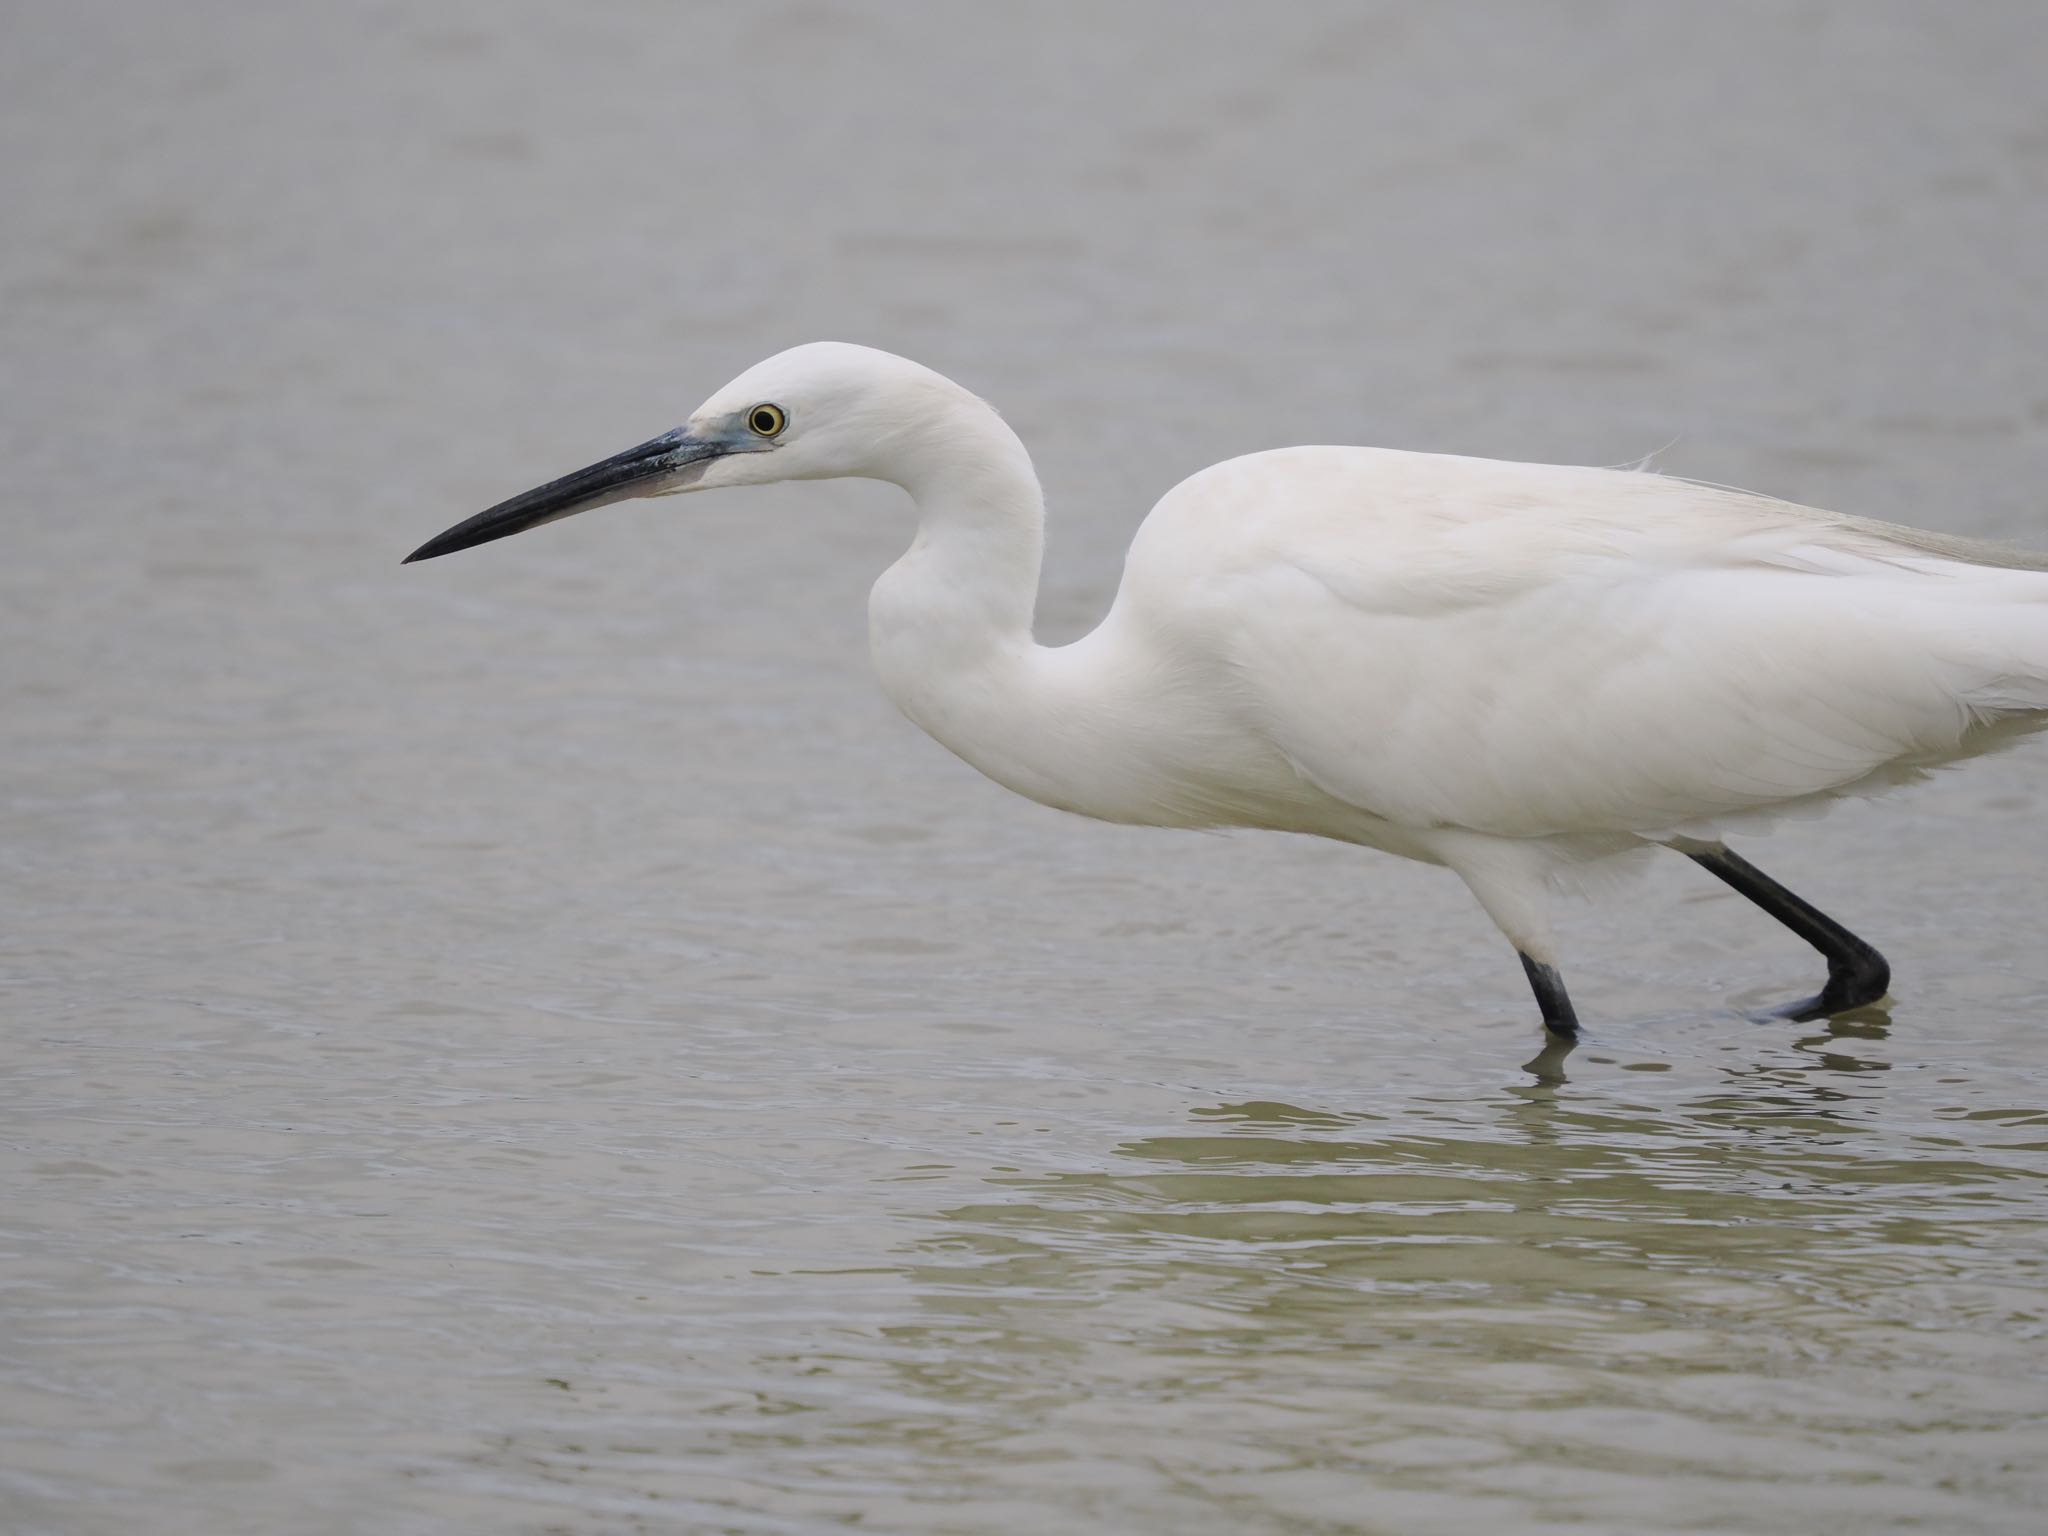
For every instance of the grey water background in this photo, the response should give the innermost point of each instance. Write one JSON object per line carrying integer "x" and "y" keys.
{"x": 533, "y": 1043}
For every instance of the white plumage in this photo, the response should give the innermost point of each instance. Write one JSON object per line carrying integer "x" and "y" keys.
{"x": 1507, "y": 669}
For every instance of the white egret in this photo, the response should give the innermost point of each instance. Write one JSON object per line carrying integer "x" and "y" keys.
{"x": 1511, "y": 670}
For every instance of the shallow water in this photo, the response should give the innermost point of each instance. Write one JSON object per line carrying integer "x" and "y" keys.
{"x": 532, "y": 1043}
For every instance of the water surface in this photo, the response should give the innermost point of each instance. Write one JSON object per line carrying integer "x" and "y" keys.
{"x": 532, "y": 1043}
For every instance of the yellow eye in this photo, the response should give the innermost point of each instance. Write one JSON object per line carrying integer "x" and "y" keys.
{"x": 766, "y": 420}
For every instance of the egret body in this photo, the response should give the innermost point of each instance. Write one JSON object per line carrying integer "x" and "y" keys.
{"x": 1510, "y": 670}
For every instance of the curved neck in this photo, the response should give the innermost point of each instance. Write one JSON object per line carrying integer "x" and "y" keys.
{"x": 950, "y": 629}
{"x": 970, "y": 579}
{"x": 949, "y": 624}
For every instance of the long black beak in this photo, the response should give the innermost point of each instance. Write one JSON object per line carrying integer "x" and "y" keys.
{"x": 636, "y": 472}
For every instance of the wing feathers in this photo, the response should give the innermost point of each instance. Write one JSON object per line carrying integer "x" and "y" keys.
{"x": 1528, "y": 651}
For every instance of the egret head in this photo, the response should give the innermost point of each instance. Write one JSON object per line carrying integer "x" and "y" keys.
{"x": 815, "y": 412}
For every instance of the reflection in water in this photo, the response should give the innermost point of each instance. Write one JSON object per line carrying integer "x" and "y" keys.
{"x": 1471, "y": 1298}
{"x": 1873, "y": 1023}
{"x": 1547, "y": 1065}
{"x": 1863, "y": 1024}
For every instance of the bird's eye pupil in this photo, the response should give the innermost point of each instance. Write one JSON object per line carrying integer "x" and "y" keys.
{"x": 767, "y": 420}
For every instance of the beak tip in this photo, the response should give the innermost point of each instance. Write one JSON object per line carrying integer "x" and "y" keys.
{"x": 447, "y": 543}
{"x": 632, "y": 473}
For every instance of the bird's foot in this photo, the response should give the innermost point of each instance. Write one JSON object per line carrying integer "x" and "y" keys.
{"x": 1851, "y": 987}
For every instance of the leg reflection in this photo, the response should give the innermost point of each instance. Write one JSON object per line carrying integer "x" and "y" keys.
{"x": 1547, "y": 1066}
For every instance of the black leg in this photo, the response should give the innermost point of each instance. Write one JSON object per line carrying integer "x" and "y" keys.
{"x": 1548, "y": 986}
{"x": 1857, "y": 974}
